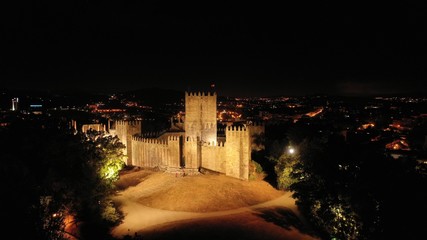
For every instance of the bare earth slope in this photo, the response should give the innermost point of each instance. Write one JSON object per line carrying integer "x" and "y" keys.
{"x": 161, "y": 205}
{"x": 195, "y": 193}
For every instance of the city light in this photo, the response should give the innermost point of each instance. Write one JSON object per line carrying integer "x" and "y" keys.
{"x": 15, "y": 102}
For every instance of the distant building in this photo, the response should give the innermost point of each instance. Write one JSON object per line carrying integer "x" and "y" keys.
{"x": 36, "y": 109}
{"x": 93, "y": 126}
{"x": 15, "y": 102}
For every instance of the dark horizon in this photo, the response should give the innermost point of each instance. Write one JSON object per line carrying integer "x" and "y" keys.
{"x": 349, "y": 50}
{"x": 20, "y": 92}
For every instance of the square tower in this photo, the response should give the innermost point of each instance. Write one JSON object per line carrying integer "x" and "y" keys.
{"x": 200, "y": 116}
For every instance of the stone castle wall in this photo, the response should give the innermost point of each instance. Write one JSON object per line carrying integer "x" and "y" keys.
{"x": 238, "y": 152}
{"x": 214, "y": 157}
{"x": 148, "y": 152}
{"x": 192, "y": 156}
{"x": 124, "y": 131}
{"x": 232, "y": 157}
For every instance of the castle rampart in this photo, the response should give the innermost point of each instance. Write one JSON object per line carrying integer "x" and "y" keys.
{"x": 149, "y": 152}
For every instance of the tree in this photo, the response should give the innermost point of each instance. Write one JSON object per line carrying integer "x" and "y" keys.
{"x": 110, "y": 155}
{"x": 352, "y": 191}
{"x": 284, "y": 167}
{"x": 51, "y": 175}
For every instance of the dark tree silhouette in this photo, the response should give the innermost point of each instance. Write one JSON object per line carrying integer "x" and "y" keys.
{"x": 51, "y": 175}
{"x": 353, "y": 191}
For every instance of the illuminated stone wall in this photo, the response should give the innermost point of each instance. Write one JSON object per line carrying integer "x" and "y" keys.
{"x": 192, "y": 154}
{"x": 200, "y": 116}
{"x": 148, "y": 152}
{"x": 124, "y": 131}
{"x": 238, "y": 152}
{"x": 214, "y": 157}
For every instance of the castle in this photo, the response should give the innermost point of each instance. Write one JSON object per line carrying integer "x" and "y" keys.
{"x": 196, "y": 146}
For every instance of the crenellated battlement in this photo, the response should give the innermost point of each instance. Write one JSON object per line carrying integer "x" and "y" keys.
{"x": 190, "y": 139}
{"x": 200, "y": 94}
{"x": 236, "y": 129}
{"x": 152, "y": 134}
{"x": 126, "y": 122}
{"x": 149, "y": 140}
{"x": 214, "y": 144}
{"x": 173, "y": 138}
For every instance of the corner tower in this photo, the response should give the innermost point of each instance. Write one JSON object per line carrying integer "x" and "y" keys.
{"x": 200, "y": 116}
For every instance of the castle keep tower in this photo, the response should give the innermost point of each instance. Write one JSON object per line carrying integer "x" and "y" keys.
{"x": 200, "y": 116}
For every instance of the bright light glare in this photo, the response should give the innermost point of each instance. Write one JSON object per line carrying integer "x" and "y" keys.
{"x": 291, "y": 150}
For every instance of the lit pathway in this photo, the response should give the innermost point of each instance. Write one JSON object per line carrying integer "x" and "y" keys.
{"x": 139, "y": 217}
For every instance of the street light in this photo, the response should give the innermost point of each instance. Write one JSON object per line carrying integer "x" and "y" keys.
{"x": 291, "y": 150}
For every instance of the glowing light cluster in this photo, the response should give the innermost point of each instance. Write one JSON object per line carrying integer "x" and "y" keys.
{"x": 315, "y": 113}
{"x": 228, "y": 115}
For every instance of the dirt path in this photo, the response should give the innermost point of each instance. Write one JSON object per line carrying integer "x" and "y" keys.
{"x": 275, "y": 218}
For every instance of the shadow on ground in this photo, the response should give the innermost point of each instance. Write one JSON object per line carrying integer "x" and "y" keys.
{"x": 285, "y": 218}
{"x": 267, "y": 166}
{"x": 248, "y": 226}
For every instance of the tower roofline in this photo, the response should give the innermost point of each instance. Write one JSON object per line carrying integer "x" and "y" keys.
{"x": 197, "y": 94}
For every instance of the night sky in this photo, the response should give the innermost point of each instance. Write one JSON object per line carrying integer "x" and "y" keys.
{"x": 246, "y": 50}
